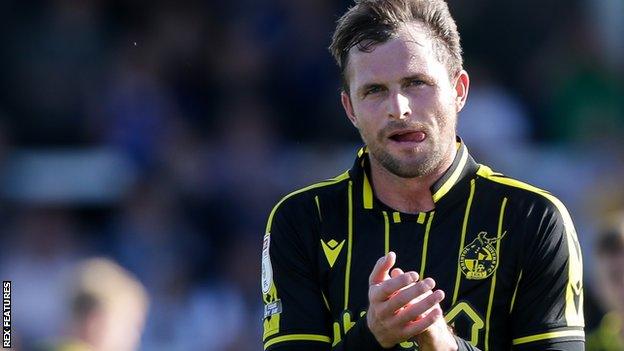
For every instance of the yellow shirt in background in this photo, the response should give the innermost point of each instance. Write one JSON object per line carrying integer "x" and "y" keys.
{"x": 608, "y": 336}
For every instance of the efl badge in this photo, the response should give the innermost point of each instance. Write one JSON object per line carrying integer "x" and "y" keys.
{"x": 479, "y": 260}
{"x": 267, "y": 269}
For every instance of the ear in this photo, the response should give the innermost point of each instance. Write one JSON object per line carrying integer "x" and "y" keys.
{"x": 462, "y": 83}
{"x": 348, "y": 107}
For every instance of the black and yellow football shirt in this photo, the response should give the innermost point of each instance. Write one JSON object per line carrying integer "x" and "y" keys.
{"x": 504, "y": 252}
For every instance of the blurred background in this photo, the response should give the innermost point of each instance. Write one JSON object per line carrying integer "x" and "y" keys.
{"x": 160, "y": 135}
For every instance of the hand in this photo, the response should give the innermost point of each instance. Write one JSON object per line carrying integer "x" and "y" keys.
{"x": 401, "y": 306}
{"x": 437, "y": 337}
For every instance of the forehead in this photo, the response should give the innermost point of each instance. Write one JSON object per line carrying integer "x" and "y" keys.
{"x": 409, "y": 52}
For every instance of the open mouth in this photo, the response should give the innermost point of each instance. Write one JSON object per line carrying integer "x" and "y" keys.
{"x": 408, "y": 136}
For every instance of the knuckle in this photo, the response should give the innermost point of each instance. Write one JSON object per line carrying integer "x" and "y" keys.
{"x": 422, "y": 287}
{"x": 404, "y": 279}
{"x": 410, "y": 294}
{"x": 387, "y": 288}
{"x": 401, "y": 299}
{"x": 376, "y": 293}
{"x": 409, "y": 278}
{"x": 411, "y": 314}
{"x": 383, "y": 312}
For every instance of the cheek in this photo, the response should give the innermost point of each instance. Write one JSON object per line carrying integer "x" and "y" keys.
{"x": 367, "y": 108}
{"x": 430, "y": 102}
{"x": 368, "y": 115}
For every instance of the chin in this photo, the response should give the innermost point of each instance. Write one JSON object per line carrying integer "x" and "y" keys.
{"x": 409, "y": 167}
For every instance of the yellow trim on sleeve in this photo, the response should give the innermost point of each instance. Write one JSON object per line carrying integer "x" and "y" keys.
{"x": 338, "y": 179}
{"x": 550, "y": 335}
{"x": 297, "y": 337}
{"x": 574, "y": 289}
{"x": 271, "y": 325}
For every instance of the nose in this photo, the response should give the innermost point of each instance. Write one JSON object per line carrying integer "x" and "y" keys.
{"x": 398, "y": 106}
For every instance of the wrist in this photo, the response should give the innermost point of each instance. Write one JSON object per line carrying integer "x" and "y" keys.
{"x": 438, "y": 337}
{"x": 363, "y": 332}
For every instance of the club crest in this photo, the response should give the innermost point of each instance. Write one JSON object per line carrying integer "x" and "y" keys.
{"x": 479, "y": 259}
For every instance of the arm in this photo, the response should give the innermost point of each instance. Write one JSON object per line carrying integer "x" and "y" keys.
{"x": 548, "y": 310}
{"x": 295, "y": 316}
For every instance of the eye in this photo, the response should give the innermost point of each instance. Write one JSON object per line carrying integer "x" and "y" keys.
{"x": 415, "y": 82}
{"x": 373, "y": 90}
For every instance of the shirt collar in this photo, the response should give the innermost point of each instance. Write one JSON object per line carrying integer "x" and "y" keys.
{"x": 462, "y": 168}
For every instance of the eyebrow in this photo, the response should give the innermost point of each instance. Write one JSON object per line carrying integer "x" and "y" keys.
{"x": 367, "y": 86}
{"x": 416, "y": 76}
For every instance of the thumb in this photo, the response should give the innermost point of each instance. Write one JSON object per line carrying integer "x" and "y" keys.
{"x": 382, "y": 269}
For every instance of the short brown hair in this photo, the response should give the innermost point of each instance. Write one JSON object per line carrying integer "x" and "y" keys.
{"x": 371, "y": 22}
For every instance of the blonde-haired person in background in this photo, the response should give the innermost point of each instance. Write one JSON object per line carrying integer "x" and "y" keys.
{"x": 609, "y": 257}
{"x": 108, "y": 308}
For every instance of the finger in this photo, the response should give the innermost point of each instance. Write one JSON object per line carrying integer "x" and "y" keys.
{"x": 383, "y": 291}
{"x": 382, "y": 268}
{"x": 415, "y": 311}
{"x": 396, "y": 272}
{"x": 416, "y": 327}
{"x": 410, "y": 294}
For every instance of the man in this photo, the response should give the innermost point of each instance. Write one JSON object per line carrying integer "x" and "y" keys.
{"x": 470, "y": 260}
{"x": 108, "y": 309}
{"x": 610, "y": 273}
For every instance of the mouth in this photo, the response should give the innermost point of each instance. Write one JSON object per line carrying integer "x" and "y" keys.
{"x": 408, "y": 136}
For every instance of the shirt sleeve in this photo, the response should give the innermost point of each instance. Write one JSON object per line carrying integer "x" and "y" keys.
{"x": 295, "y": 315}
{"x": 547, "y": 307}
{"x": 463, "y": 345}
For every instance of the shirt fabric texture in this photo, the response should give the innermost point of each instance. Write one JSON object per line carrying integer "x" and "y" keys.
{"x": 504, "y": 252}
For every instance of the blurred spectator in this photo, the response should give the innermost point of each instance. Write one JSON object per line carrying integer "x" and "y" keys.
{"x": 161, "y": 134}
{"x": 245, "y": 152}
{"x": 154, "y": 239}
{"x": 42, "y": 246}
{"x": 494, "y": 123}
{"x": 610, "y": 273}
{"x": 582, "y": 101}
{"x": 56, "y": 53}
{"x": 136, "y": 108}
{"x": 108, "y": 307}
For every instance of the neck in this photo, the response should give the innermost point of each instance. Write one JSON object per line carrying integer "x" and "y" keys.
{"x": 407, "y": 195}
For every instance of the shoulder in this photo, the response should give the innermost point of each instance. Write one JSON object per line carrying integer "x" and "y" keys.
{"x": 299, "y": 203}
{"x": 526, "y": 197}
{"x": 546, "y": 228}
